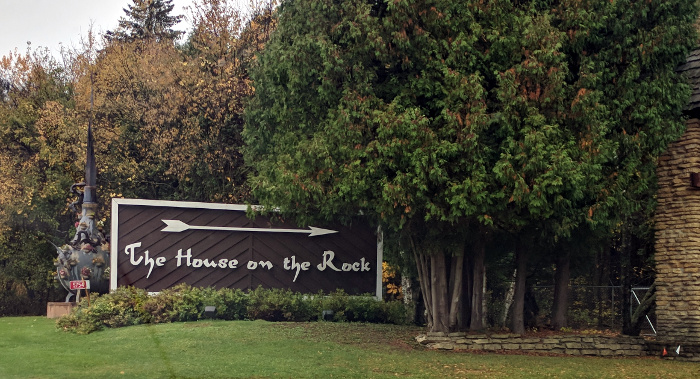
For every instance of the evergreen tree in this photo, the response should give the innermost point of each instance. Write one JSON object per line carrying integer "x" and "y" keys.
{"x": 442, "y": 120}
{"x": 147, "y": 20}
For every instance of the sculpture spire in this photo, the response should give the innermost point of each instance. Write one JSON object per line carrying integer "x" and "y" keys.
{"x": 87, "y": 228}
{"x": 90, "y": 170}
{"x": 86, "y": 257}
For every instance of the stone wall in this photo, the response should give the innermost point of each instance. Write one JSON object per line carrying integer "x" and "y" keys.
{"x": 678, "y": 241}
{"x": 594, "y": 345}
{"x": 574, "y": 344}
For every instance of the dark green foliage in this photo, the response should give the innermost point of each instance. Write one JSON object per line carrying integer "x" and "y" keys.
{"x": 439, "y": 118}
{"x": 278, "y": 304}
{"x": 362, "y": 308}
{"x": 186, "y": 303}
{"x": 232, "y": 304}
{"x": 129, "y": 306}
{"x": 147, "y": 19}
{"x": 122, "y": 307}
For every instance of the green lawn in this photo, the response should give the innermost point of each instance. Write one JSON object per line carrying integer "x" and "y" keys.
{"x": 31, "y": 347}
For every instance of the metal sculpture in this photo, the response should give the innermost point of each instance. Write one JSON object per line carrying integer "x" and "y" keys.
{"x": 86, "y": 256}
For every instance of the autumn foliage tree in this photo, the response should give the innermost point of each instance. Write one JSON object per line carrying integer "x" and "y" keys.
{"x": 169, "y": 117}
{"x": 39, "y": 159}
{"x": 167, "y": 122}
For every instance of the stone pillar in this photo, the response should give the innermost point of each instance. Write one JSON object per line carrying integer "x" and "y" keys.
{"x": 678, "y": 241}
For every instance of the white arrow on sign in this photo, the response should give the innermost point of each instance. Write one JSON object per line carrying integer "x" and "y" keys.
{"x": 177, "y": 226}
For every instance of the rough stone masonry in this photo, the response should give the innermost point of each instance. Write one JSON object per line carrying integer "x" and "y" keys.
{"x": 678, "y": 228}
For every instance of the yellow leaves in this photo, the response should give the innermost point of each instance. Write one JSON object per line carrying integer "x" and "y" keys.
{"x": 389, "y": 279}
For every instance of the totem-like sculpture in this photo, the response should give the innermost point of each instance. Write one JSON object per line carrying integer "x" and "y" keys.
{"x": 86, "y": 257}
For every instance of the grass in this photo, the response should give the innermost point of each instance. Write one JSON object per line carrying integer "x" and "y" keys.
{"x": 31, "y": 347}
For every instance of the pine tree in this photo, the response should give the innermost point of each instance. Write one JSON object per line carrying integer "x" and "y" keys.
{"x": 147, "y": 20}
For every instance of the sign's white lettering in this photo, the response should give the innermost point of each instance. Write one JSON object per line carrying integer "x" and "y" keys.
{"x": 328, "y": 257}
{"x": 292, "y": 264}
{"x": 130, "y": 250}
{"x": 196, "y": 262}
{"x": 185, "y": 258}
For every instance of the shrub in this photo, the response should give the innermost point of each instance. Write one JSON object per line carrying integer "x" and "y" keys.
{"x": 234, "y": 304}
{"x": 131, "y": 306}
{"x": 123, "y": 307}
{"x": 336, "y": 302}
{"x": 280, "y": 305}
{"x": 184, "y": 303}
{"x": 397, "y": 313}
{"x": 161, "y": 307}
{"x": 365, "y": 309}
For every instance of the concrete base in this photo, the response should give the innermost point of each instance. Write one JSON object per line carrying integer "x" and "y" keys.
{"x": 58, "y": 309}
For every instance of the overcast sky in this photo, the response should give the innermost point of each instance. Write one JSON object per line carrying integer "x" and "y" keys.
{"x": 48, "y": 23}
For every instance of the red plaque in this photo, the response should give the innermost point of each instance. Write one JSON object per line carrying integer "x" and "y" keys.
{"x": 78, "y": 285}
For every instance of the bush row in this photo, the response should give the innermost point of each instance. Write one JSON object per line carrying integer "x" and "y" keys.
{"x": 131, "y": 306}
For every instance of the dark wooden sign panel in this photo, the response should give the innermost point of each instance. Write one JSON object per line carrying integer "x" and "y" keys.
{"x": 158, "y": 244}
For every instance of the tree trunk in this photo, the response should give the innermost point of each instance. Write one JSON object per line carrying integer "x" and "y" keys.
{"x": 442, "y": 287}
{"x": 517, "y": 322}
{"x": 477, "y": 295}
{"x": 468, "y": 290}
{"x": 408, "y": 300}
{"x": 423, "y": 267}
{"x": 439, "y": 292}
{"x": 508, "y": 300}
{"x": 561, "y": 291}
{"x": 456, "y": 286}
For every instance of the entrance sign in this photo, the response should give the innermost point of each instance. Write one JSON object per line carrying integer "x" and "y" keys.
{"x": 158, "y": 244}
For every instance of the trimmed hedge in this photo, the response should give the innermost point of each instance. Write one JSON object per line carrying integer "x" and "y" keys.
{"x": 131, "y": 306}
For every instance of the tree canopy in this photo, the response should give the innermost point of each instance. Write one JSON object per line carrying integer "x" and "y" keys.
{"x": 484, "y": 137}
{"x": 146, "y": 20}
{"x": 445, "y": 121}
{"x": 167, "y": 123}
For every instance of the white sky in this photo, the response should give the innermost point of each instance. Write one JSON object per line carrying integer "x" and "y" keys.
{"x": 48, "y": 23}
